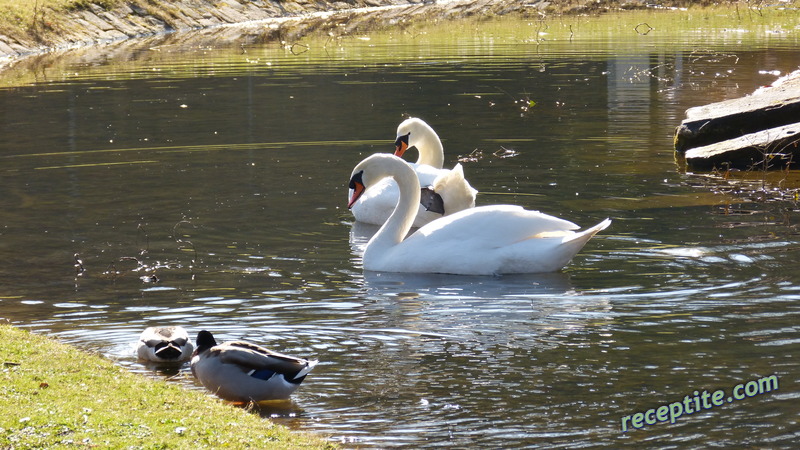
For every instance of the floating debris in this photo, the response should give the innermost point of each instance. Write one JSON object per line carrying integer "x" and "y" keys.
{"x": 477, "y": 155}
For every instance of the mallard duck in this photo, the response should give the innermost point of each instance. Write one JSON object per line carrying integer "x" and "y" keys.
{"x": 443, "y": 191}
{"x": 239, "y": 371}
{"x": 164, "y": 345}
{"x": 486, "y": 240}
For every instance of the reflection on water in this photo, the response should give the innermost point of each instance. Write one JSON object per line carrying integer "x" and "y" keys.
{"x": 207, "y": 188}
{"x": 465, "y": 287}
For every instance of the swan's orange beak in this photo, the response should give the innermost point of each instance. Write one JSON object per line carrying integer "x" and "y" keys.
{"x": 358, "y": 188}
{"x": 401, "y": 145}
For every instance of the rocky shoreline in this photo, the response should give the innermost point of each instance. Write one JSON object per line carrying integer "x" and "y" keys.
{"x": 95, "y": 24}
{"x": 139, "y": 18}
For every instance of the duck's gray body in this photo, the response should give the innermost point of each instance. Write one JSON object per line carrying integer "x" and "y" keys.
{"x": 243, "y": 372}
{"x": 164, "y": 345}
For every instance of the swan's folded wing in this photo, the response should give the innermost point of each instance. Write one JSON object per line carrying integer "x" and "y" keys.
{"x": 427, "y": 174}
{"x": 497, "y": 224}
{"x": 455, "y": 190}
{"x": 471, "y": 236}
{"x": 377, "y": 203}
{"x": 382, "y": 194}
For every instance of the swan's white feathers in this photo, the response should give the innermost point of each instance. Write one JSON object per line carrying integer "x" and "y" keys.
{"x": 377, "y": 203}
{"x": 428, "y": 174}
{"x": 380, "y": 198}
{"x": 422, "y": 137}
{"x": 502, "y": 224}
{"x": 485, "y": 240}
{"x": 456, "y": 192}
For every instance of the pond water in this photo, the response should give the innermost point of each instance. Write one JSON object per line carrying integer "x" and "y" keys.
{"x": 205, "y": 186}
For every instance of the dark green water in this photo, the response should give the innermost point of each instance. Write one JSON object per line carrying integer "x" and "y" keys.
{"x": 224, "y": 173}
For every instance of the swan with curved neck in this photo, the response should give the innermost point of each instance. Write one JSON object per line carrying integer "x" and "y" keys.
{"x": 452, "y": 191}
{"x": 487, "y": 240}
{"x": 414, "y": 132}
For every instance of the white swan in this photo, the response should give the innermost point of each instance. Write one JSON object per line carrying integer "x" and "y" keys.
{"x": 486, "y": 240}
{"x": 444, "y": 191}
{"x": 415, "y": 132}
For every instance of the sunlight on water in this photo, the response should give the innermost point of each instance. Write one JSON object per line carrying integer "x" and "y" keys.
{"x": 205, "y": 185}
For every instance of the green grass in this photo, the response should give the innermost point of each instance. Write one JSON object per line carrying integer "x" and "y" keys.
{"x": 55, "y": 396}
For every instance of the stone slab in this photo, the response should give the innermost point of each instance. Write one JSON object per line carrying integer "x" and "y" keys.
{"x": 774, "y": 148}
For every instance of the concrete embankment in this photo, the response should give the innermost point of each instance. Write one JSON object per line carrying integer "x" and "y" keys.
{"x": 92, "y": 24}
{"x": 96, "y": 24}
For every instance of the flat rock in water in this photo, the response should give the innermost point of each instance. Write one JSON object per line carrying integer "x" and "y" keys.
{"x": 764, "y": 109}
{"x": 767, "y": 149}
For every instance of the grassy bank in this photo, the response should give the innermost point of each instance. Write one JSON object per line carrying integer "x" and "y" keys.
{"x": 32, "y": 18}
{"x": 37, "y": 26}
{"x": 28, "y": 26}
{"x": 55, "y": 396}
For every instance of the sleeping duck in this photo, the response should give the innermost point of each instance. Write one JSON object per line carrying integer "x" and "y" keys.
{"x": 243, "y": 372}
{"x": 164, "y": 345}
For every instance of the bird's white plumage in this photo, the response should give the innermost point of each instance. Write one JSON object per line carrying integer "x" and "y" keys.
{"x": 378, "y": 202}
{"x": 485, "y": 240}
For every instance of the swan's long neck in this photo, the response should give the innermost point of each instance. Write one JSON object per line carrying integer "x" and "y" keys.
{"x": 431, "y": 151}
{"x": 400, "y": 221}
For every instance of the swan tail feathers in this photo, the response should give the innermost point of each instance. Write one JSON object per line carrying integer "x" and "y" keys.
{"x": 588, "y": 233}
